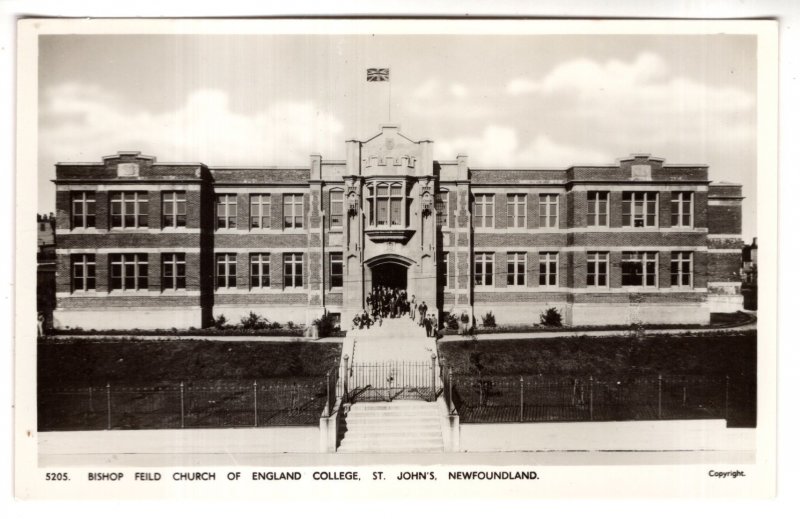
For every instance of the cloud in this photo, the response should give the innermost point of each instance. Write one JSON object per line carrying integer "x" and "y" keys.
{"x": 82, "y": 122}
{"x": 500, "y": 146}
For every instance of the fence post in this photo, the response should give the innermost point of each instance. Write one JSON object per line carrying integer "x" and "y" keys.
{"x": 433, "y": 377}
{"x": 727, "y": 390}
{"x": 521, "y": 401}
{"x": 345, "y": 378}
{"x": 451, "y": 403}
{"x": 659, "y": 396}
{"x": 91, "y": 402}
{"x": 591, "y": 397}
{"x": 328, "y": 393}
{"x": 255, "y": 404}
{"x": 183, "y": 420}
{"x": 108, "y": 405}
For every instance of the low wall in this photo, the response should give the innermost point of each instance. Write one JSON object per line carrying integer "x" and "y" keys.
{"x": 726, "y": 303}
{"x": 182, "y": 441}
{"x": 128, "y": 318}
{"x": 661, "y": 435}
{"x": 300, "y": 315}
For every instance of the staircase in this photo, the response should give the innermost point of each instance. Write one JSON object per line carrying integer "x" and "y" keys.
{"x": 399, "y": 426}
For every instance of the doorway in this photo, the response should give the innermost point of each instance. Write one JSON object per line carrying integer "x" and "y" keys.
{"x": 390, "y": 275}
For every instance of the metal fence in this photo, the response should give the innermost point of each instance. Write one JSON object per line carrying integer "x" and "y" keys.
{"x": 388, "y": 381}
{"x": 187, "y": 405}
{"x": 543, "y": 398}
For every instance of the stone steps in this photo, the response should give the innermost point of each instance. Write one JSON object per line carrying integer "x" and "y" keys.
{"x": 400, "y": 426}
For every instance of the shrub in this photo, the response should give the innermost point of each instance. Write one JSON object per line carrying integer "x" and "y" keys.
{"x": 290, "y": 325}
{"x": 464, "y": 317}
{"x": 550, "y": 317}
{"x": 488, "y": 320}
{"x": 253, "y": 321}
{"x": 326, "y": 325}
{"x": 220, "y": 322}
{"x": 452, "y": 322}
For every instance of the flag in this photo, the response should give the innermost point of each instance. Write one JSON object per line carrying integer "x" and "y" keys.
{"x": 377, "y": 74}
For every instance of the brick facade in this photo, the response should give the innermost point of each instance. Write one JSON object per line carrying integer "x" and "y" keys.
{"x": 369, "y": 240}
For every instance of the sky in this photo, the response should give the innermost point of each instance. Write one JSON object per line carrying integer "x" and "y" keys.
{"x": 525, "y": 101}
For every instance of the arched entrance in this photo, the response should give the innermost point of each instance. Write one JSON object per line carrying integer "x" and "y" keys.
{"x": 390, "y": 271}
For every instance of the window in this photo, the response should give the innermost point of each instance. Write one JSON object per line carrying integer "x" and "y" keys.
{"x": 515, "y": 210}
{"x": 173, "y": 271}
{"x": 484, "y": 269}
{"x": 548, "y": 210}
{"x": 442, "y": 204}
{"x": 597, "y": 269}
{"x": 83, "y": 272}
{"x": 639, "y": 209}
{"x": 682, "y": 209}
{"x": 548, "y": 269}
{"x": 226, "y": 270}
{"x": 386, "y": 202}
{"x": 173, "y": 209}
{"x": 444, "y": 269}
{"x": 293, "y": 270}
{"x": 260, "y": 209}
{"x": 259, "y": 270}
{"x": 483, "y": 211}
{"x": 337, "y": 270}
{"x": 597, "y": 210}
{"x": 337, "y": 208}
{"x": 226, "y": 211}
{"x": 292, "y": 211}
{"x": 516, "y": 269}
{"x": 128, "y": 271}
{"x": 639, "y": 269}
{"x": 681, "y": 269}
{"x": 83, "y": 210}
{"x": 129, "y": 209}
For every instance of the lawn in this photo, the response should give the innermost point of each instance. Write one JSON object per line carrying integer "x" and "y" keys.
{"x": 605, "y": 378}
{"x": 132, "y": 384}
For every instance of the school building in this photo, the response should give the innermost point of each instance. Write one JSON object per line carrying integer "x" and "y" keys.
{"x": 144, "y": 244}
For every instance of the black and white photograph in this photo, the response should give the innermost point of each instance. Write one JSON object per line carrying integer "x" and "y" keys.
{"x": 382, "y": 251}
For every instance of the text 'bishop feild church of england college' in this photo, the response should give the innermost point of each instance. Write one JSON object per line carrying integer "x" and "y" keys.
{"x": 143, "y": 244}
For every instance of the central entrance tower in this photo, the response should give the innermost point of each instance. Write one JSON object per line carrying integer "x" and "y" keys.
{"x": 390, "y": 228}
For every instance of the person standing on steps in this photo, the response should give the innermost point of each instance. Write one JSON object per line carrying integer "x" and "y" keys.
{"x": 413, "y": 307}
{"x": 423, "y": 309}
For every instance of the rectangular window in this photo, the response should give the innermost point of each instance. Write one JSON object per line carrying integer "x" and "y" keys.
{"x": 444, "y": 269}
{"x": 83, "y": 210}
{"x": 129, "y": 209}
{"x": 83, "y": 272}
{"x": 293, "y": 270}
{"x": 441, "y": 204}
{"x": 516, "y": 269}
{"x": 597, "y": 209}
{"x": 173, "y": 209}
{"x": 226, "y": 211}
{"x": 128, "y": 271}
{"x": 337, "y": 270}
{"x": 260, "y": 209}
{"x": 226, "y": 270}
{"x": 639, "y": 269}
{"x": 681, "y": 269}
{"x": 515, "y": 211}
{"x": 292, "y": 211}
{"x": 173, "y": 271}
{"x": 483, "y": 211}
{"x": 337, "y": 208}
{"x": 259, "y": 270}
{"x": 548, "y": 210}
{"x": 484, "y": 269}
{"x": 597, "y": 269}
{"x": 639, "y": 209}
{"x": 682, "y": 209}
{"x": 548, "y": 269}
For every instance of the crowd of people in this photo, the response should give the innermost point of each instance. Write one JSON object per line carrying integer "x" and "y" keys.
{"x": 389, "y": 303}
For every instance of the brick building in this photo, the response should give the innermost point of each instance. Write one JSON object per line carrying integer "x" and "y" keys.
{"x": 156, "y": 245}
